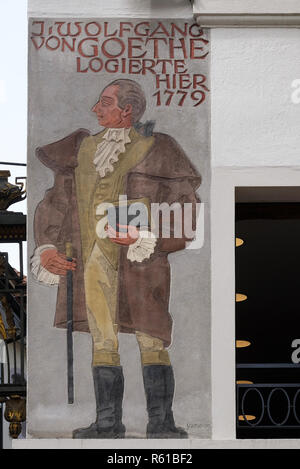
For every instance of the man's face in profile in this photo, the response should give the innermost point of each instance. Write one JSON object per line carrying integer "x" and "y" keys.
{"x": 108, "y": 112}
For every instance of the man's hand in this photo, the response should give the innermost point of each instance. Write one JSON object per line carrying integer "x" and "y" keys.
{"x": 124, "y": 238}
{"x": 56, "y": 263}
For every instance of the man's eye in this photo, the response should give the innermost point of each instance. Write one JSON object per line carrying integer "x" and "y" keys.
{"x": 106, "y": 101}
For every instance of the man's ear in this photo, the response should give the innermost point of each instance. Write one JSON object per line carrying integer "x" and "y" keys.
{"x": 127, "y": 111}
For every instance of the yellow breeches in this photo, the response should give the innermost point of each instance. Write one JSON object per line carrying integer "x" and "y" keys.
{"x": 101, "y": 282}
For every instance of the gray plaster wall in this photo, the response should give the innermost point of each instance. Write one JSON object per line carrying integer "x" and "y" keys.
{"x": 60, "y": 101}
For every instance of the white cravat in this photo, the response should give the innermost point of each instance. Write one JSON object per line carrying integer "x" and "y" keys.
{"x": 108, "y": 151}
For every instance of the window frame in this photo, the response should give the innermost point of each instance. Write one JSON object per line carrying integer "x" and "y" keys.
{"x": 247, "y": 13}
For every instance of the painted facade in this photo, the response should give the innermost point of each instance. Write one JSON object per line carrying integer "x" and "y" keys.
{"x": 120, "y": 277}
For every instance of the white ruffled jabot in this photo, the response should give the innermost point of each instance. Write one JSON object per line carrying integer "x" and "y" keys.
{"x": 108, "y": 151}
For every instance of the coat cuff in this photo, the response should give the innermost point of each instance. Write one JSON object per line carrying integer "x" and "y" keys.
{"x": 38, "y": 271}
{"x": 143, "y": 247}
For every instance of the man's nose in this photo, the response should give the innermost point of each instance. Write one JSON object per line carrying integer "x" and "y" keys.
{"x": 94, "y": 108}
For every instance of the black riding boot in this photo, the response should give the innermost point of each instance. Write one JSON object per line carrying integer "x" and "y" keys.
{"x": 109, "y": 389}
{"x": 169, "y": 423}
{"x": 159, "y": 388}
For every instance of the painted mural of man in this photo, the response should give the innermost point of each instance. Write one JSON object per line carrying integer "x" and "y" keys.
{"x": 121, "y": 284}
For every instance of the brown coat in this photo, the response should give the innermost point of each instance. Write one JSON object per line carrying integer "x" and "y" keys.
{"x": 164, "y": 175}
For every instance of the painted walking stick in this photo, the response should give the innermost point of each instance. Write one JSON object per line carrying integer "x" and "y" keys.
{"x": 70, "y": 326}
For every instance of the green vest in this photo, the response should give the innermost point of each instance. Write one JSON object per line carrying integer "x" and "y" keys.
{"x": 93, "y": 190}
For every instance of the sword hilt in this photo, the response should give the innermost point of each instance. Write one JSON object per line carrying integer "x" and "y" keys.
{"x": 69, "y": 250}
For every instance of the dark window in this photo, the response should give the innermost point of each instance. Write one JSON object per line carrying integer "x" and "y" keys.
{"x": 268, "y": 320}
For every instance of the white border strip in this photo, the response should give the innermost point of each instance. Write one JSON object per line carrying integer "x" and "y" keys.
{"x": 137, "y": 444}
{"x": 248, "y": 20}
{"x": 246, "y": 6}
{"x": 247, "y": 13}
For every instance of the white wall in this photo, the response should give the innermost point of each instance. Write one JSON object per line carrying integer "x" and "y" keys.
{"x": 254, "y": 122}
